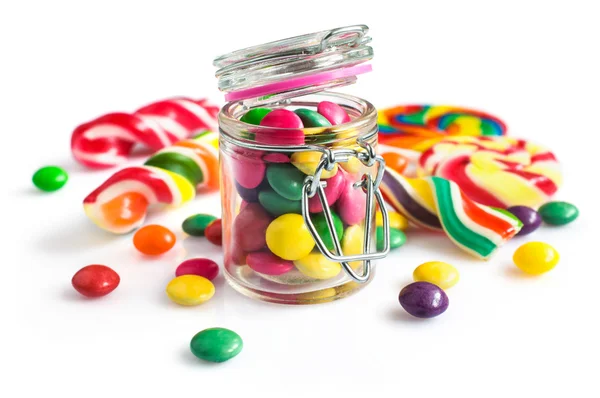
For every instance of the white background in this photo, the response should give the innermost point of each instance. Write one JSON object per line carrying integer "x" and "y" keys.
{"x": 535, "y": 64}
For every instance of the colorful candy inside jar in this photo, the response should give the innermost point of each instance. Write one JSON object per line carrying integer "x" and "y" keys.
{"x": 299, "y": 173}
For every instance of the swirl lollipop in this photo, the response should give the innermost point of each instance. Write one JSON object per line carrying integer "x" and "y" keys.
{"x": 500, "y": 172}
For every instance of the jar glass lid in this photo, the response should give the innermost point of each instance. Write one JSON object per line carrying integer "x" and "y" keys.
{"x": 295, "y": 66}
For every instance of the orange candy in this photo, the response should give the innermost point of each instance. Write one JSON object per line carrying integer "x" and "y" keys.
{"x": 154, "y": 240}
{"x": 395, "y": 161}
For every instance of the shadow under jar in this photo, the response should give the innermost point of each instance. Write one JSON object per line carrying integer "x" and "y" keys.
{"x": 298, "y": 204}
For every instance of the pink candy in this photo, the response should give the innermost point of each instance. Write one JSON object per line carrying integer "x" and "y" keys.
{"x": 198, "y": 266}
{"x": 333, "y": 190}
{"x": 250, "y": 228}
{"x": 281, "y": 119}
{"x": 352, "y": 203}
{"x": 268, "y": 263}
{"x": 334, "y": 113}
{"x": 275, "y": 157}
{"x": 248, "y": 169}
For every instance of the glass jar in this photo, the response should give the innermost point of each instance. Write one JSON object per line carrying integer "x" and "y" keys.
{"x": 298, "y": 204}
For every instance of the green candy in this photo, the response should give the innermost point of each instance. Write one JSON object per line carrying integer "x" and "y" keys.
{"x": 286, "y": 180}
{"x": 558, "y": 213}
{"x": 277, "y": 205}
{"x": 255, "y": 116}
{"x": 178, "y": 164}
{"x": 320, "y": 224}
{"x": 312, "y": 118}
{"x": 397, "y": 238}
{"x": 50, "y": 178}
{"x": 196, "y": 224}
{"x": 216, "y": 344}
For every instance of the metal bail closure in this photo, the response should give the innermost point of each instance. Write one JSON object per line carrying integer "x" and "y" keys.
{"x": 313, "y": 185}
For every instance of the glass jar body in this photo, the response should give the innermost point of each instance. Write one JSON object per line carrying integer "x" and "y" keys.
{"x": 269, "y": 252}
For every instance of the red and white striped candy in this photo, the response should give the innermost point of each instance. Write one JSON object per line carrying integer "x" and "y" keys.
{"x": 108, "y": 140}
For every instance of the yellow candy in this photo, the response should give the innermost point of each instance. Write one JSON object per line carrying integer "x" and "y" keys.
{"x": 307, "y": 163}
{"x": 397, "y": 220}
{"x": 190, "y": 290}
{"x": 441, "y": 274}
{"x": 317, "y": 266}
{"x": 352, "y": 243}
{"x": 536, "y": 257}
{"x": 289, "y": 238}
{"x": 352, "y": 166}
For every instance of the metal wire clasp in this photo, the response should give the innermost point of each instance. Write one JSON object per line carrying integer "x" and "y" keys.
{"x": 313, "y": 186}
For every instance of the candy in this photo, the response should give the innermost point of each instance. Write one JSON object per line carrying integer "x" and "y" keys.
{"x": 108, "y": 140}
{"x": 248, "y": 169}
{"x": 275, "y": 157}
{"x": 333, "y": 190}
{"x": 352, "y": 243}
{"x": 120, "y": 204}
{"x": 352, "y": 203}
{"x": 95, "y": 280}
{"x": 198, "y": 266}
{"x": 248, "y": 195}
{"x": 255, "y": 116}
{"x": 417, "y": 127}
{"x": 50, "y": 178}
{"x": 216, "y": 344}
{"x": 277, "y": 205}
{"x": 286, "y": 180}
{"x": 317, "y": 266}
{"x": 397, "y": 238}
{"x": 190, "y": 290}
{"x": 439, "y": 273}
{"x": 307, "y": 163}
{"x": 154, "y": 239}
{"x": 395, "y": 161}
{"x": 320, "y": 224}
{"x": 214, "y": 232}
{"x": 282, "y": 118}
{"x": 397, "y": 220}
{"x": 311, "y": 118}
{"x": 535, "y": 258}
{"x": 500, "y": 172}
{"x": 438, "y": 204}
{"x": 250, "y": 226}
{"x": 289, "y": 238}
{"x": 334, "y": 113}
{"x": 196, "y": 224}
{"x": 268, "y": 263}
{"x": 558, "y": 213}
{"x": 423, "y": 300}
{"x": 530, "y": 218}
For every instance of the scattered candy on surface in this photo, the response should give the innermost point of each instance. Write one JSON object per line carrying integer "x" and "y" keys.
{"x": 437, "y": 272}
{"x": 50, "y": 178}
{"x": 530, "y": 218}
{"x": 120, "y": 204}
{"x": 214, "y": 232}
{"x": 216, "y": 344}
{"x": 397, "y": 220}
{"x": 397, "y": 238}
{"x": 289, "y": 238}
{"x": 322, "y": 228}
{"x": 198, "y": 266}
{"x": 438, "y": 204}
{"x": 190, "y": 290}
{"x": 495, "y": 171}
{"x": 95, "y": 280}
{"x": 558, "y": 213}
{"x": 423, "y": 299}
{"x": 536, "y": 258}
{"x": 317, "y": 266}
{"x": 196, "y": 224}
{"x": 154, "y": 240}
{"x": 268, "y": 263}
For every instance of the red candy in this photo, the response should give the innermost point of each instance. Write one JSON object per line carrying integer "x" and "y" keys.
{"x": 250, "y": 227}
{"x": 214, "y": 232}
{"x": 154, "y": 240}
{"x": 198, "y": 266}
{"x": 95, "y": 280}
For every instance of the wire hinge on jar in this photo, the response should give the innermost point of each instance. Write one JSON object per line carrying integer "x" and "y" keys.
{"x": 314, "y": 186}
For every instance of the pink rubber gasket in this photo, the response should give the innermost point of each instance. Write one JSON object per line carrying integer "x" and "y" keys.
{"x": 304, "y": 81}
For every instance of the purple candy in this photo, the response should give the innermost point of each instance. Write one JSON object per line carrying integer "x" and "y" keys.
{"x": 249, "y": 195}
{"x": 530, "y": 218}
{"x": 423, "y": 300}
